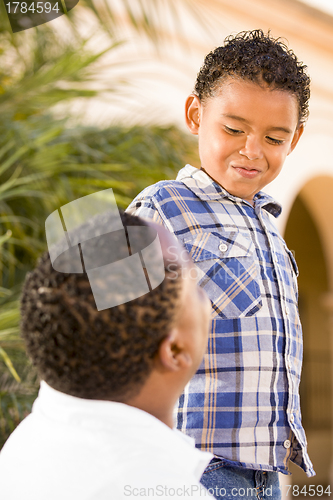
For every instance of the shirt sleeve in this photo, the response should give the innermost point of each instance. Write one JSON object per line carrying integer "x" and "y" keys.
{"x": 145, "y": 209}
{"x": 145, "y": 206}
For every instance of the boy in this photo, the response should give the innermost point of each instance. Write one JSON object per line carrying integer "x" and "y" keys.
{"x": 101, "y": 427}
{"x": 248, "y": 109}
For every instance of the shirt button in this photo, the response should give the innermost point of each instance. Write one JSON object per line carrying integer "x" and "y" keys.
{"x": 292, "y": 418}
{"x": 287, "y": 444}
{"x": 223, "y": 247}
{"x": 287, "y": 310}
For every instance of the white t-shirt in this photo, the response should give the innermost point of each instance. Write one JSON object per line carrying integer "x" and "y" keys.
{"x": 77, "y": 449}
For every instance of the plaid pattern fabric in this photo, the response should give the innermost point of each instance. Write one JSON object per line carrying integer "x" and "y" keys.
{"x": 243, "y": 403}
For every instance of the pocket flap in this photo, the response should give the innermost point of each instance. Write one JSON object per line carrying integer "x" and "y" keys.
{"x": 226, "y": 245}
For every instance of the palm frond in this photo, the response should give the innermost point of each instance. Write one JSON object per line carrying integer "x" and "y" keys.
{"x": 44, "y": 164}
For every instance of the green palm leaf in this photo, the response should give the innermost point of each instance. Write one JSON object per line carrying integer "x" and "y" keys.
{"x": 44, "y": 164}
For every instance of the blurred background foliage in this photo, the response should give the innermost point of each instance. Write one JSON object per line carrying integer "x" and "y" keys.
{"x": 46, "y": 163}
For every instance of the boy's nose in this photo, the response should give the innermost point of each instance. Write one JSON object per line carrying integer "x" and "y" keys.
{"x": 251, "y": 149}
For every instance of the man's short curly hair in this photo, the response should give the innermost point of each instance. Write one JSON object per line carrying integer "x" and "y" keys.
{"x": 255, "y": 56}
{"x": 88, "y": 353}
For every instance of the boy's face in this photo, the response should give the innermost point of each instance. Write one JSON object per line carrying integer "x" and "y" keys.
{"x": 245, "y": 133}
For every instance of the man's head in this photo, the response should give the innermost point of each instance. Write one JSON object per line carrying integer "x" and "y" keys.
{"x": 110, "y": 354}
{"x": 248, "y": 108}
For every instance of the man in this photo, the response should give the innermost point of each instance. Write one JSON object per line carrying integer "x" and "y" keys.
{"x": 101, "y": 427}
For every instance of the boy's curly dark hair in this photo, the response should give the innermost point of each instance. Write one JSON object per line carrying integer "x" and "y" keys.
{"x": 88, "y": 353}
{"x": 257, "y": 57}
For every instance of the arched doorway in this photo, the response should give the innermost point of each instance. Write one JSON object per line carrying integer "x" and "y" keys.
{"x": 308, "y": 234}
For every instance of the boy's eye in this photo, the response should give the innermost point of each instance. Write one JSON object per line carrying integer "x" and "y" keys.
{"x": 274, "y": 141}
{"x": 233, "y": 130}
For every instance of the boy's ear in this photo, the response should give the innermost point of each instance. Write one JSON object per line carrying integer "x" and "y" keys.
{"x": 172, "y": 354}
{"x": 297, "y": 135}
{"x": 193, "y": 113}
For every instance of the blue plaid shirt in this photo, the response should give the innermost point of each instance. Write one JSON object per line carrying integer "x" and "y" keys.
{"x": 243, "y": 403}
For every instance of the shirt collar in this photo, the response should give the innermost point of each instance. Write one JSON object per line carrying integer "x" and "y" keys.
{"x": 117, "y": 419}
{"x": 207, "y": 189}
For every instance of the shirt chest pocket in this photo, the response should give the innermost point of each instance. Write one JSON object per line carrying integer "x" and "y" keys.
{"x": 228, "y": 272}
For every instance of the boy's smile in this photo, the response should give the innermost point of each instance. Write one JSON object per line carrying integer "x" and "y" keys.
{"x": 245, "y": 133}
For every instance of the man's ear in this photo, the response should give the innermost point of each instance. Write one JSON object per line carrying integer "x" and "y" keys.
{"x": 193, "y": 113}
{"x": 172, "y": 354}
{"x": 297, "y": 135}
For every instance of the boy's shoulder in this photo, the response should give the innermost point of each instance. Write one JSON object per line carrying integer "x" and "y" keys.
{"x": 161, "y": 189}
{"x": 191, "y": 183}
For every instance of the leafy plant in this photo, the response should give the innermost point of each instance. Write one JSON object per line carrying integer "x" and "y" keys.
{"x": 44, "y": 164}
{"x": 61, "y": 165}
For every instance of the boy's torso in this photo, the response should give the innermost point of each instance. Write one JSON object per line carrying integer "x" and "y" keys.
{"x": 243, "y": 401}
